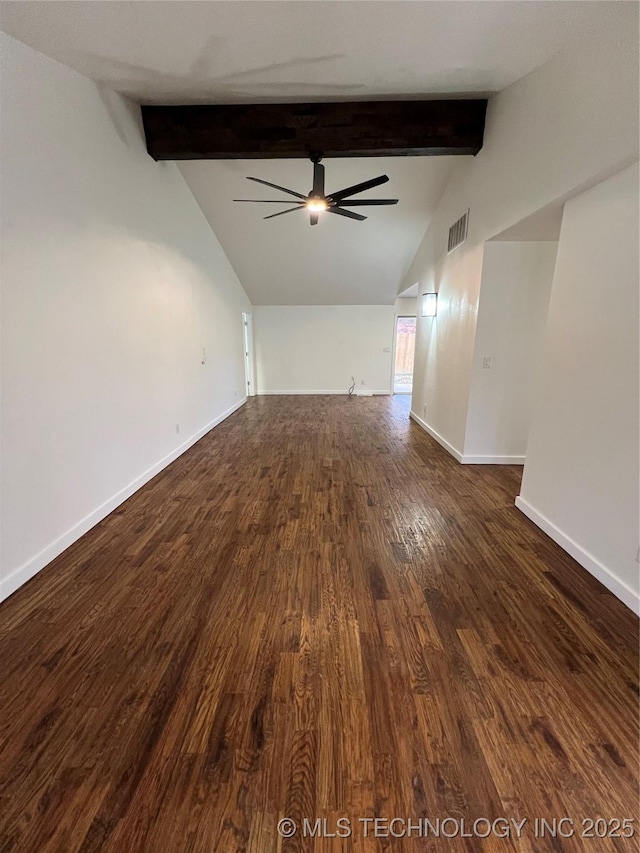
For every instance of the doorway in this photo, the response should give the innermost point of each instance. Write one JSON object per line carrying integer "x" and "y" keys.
{"x": 405, "y": 343}
{"x": 247, "y": 343}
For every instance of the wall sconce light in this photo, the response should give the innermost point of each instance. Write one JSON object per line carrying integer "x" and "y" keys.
{"x": 429, "y": 304}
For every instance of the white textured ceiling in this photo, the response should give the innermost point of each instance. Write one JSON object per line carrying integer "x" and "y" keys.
{"x": 279, "y": 50}
{"x": 286, "y": 261}
{"x": 245, "y": 51}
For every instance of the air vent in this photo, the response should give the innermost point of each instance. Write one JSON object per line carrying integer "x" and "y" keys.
{"x": 458, "y": 232}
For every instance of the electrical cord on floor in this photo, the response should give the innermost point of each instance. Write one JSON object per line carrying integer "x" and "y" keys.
{"x": 353, "y": 386}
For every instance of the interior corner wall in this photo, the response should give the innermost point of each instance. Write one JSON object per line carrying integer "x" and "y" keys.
{"x": 444, "y": 348}
{"x": 560, "y": 129}
{"x": 113, "y": 288}
{"x": 512, "y": 312}
{"x": 316, "y": 349}
{"x": 580, "y": 480}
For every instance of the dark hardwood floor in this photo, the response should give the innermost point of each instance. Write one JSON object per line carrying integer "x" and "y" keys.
{"x": 316, "y": 612}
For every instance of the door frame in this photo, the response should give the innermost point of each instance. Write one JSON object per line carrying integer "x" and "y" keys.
{"x": 248, "y": 355}
{"x": 393, "y": 359}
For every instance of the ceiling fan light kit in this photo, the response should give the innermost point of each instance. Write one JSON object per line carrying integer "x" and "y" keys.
{"x": 317, "y": 201}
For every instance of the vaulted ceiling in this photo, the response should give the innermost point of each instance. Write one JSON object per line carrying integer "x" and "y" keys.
{"x": 285, "y": 261}
{"x": 271, "y": 51}
{"x": 229, "y": 52}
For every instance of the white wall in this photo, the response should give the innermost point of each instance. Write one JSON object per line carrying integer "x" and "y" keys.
{"x": 565, "y": 126}
{"x": 112, "y": 283}
{"x": 318, "y": 348}
{"x": 406, "y": 306}
{"x": 512, "y": 312}
{"x": 580, "y": 479}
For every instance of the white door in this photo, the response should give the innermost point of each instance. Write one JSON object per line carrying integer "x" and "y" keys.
{"x": 247, "y": 338}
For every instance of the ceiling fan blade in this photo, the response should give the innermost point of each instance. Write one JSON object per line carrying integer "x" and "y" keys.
{"x": 268, "y": 200}
{"x": 318, "y": 180}
{"x": 362, "y": 202}
{"x": 276, "y": 187}
{"x": 347, "y": 213}
{"x": 313, "y": 218}
{"x": 359, "y": 188}
{"x": 281, "y": 212}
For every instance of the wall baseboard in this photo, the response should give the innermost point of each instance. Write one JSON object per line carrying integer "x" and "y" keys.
{"x": 18, "y": 577}
{"x": 386, "y": 392}
{"x": 606, "y": 577}
{"x": 492, "y": 460}
{"x": 465, "y": 460}
{"x": 443, "y": 441}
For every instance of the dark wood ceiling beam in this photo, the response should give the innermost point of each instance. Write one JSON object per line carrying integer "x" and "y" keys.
{"x": 358, "y": 129}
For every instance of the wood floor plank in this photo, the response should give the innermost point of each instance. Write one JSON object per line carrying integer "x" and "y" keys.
{"x": 315, "y": 613}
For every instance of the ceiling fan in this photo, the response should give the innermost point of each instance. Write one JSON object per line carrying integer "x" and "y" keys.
{"x": 317, "y": 202}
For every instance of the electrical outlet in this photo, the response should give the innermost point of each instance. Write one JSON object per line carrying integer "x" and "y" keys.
{"x": 486, "y": 362}
{"x": 177, "y": 428}
{"x": 362, "y": 382}
{"x": 424, "y": 409}
{"x": 386, "y": 349}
